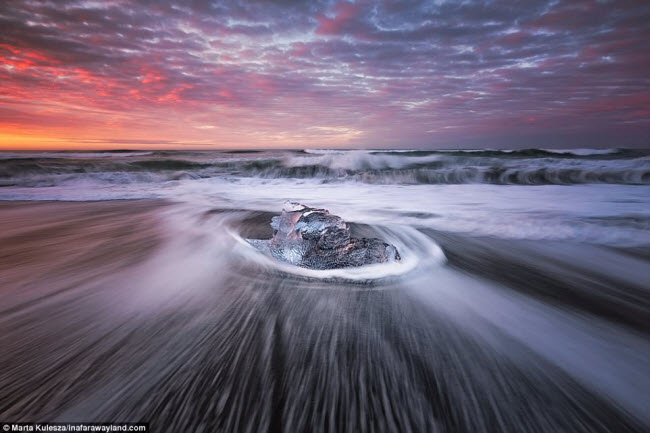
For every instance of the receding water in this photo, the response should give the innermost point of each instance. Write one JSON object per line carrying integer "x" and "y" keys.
{"x": 516, "y": 308}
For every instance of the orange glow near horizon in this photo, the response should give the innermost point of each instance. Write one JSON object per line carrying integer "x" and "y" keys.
{"x": 18, "y": 141}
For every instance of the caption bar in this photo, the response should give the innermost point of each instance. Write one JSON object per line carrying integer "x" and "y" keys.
{"x": 73, "y": 427}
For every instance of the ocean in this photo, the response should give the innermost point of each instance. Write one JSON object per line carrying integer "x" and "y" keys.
{"x": 521, "y": 302}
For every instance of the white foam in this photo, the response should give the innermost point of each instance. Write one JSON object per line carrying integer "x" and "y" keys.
{"x": 514, "y": 212}
{"x": 358, "y": 160}
{"x": 583, "y": 151}
{"x": 413, "y": 246}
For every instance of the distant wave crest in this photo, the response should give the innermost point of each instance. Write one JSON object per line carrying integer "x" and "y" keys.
{"x": 517, "y": 167}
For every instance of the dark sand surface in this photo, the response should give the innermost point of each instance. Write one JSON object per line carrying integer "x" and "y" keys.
{"x": 130, "y": 311}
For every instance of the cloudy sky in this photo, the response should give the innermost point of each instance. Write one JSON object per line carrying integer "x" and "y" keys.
{"x": 398, "y": 74}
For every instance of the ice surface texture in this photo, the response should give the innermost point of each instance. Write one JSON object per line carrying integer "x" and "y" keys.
{"x": 315, "y": 239}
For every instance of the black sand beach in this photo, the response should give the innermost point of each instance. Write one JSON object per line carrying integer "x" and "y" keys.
{"x": 108, "y": 314}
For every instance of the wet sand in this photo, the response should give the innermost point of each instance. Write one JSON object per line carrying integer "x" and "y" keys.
{"x": 130, "y": 311}
{"x": 50, "y": 247}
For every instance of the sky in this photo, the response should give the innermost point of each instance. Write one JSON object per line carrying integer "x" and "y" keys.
{"x": 324, "y": 74}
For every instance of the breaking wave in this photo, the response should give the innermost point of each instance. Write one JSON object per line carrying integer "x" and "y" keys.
{"x": 516, "y": 167}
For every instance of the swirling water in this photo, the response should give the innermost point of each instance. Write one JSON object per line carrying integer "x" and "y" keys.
{"x": 521, "y": 303}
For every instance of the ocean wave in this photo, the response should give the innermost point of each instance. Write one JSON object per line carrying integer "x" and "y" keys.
{"x": 520, "y": 167}
{"x": 438, "y": 169}
{"x": 361, "y": 160}
{"x": 505, "y": 153}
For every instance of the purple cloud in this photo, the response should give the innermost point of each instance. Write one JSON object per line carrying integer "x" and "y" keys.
{"x": 371, "y": 74}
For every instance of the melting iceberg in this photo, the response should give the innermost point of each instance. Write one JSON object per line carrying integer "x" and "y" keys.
{"x": 315, "y": 239}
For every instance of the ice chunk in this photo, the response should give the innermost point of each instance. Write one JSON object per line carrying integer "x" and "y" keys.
{"x": 314, "y": 238}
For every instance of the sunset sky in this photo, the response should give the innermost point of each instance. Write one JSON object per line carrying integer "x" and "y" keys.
{"x": 391, "y": 74}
